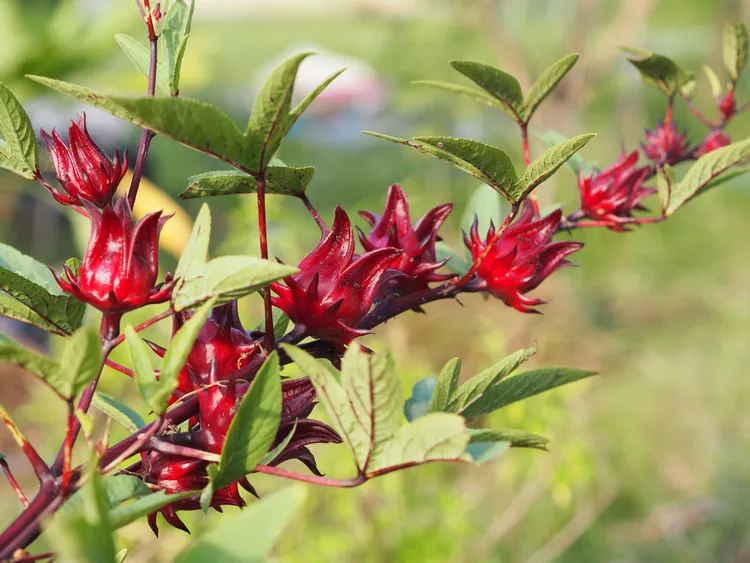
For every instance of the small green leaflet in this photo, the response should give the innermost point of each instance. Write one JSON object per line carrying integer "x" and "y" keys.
{"x": 227, "y": 278}
{"x": 706, "y": 170}
{"x": 19, "y": 153}
{"x": 124, "y": 514}
{"x": 118, "y": 411}
{"x": 281, "y": 180}
{"x": 500, "y": 85}
{"x": 363, "y": 404}
{"x": 550, "y": 161}
{"x": 546, "y": 84}
{"x": 735, "y": 48}
{"x": 175, "y": 33}
{"x": 418, "y": 404}
{"x": 516, "y": 438}
{"x": 659, "y": 71}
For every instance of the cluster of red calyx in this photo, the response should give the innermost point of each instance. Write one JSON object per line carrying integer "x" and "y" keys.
{"x": 611, "y": 195}
{"x": 334, "y": 290}
{"x": 214, "y": 371}
{"x": 521, "y": 259}
{"x": 119, "y": 269}
{"x": 417, "y": 263}
{"x": 664, "y": 145}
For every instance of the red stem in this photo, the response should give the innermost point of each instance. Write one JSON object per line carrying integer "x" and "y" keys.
{"x": 668, "y": 116}
{"x": 13, "y": 483}
{"x": 119, "y": 339}
{"x": 314, "y": 213}
{"x": 527, "y": 161}
{"x": 184, "y": 451}
{"x": 263, "y": 235}
{"x": 68, "y": 450}
{"x": 146, "y": 135}
{"x": 312, "y": 479}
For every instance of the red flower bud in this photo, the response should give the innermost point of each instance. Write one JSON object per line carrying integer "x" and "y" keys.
{"x": 393, "y": 229}
{"x": 714, "y": 140}
{"x": 728, "y": 105}
{"x": 665, "y": 146}
{"x": 611, "y": 195}
{"x": 85, "y": 173}
{"x": 334, "y": 290}
{"x": 119, "y": 269}
{"x": 521, "y": 259}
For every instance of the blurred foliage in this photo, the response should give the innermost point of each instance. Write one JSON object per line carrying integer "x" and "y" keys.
{"x": 646, "y": 464}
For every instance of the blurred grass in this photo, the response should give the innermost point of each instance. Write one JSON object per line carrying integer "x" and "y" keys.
{"x": 648, "y": 461}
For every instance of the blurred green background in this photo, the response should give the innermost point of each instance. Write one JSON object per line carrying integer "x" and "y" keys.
{"x": 649, "y": 461}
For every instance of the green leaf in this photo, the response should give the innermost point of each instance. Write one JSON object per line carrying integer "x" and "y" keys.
{"x": 477, "y": 95}
{"x": 272, "y": 116}
{"x": 145, "y": 378}
{"x": 478, "y": 385}
{"x": 735, "y": 48}
{"x": 177, "y": 354}
{"x": 280, "y": 323}
{"x": 141, "y": 57}
{"x": 276, "y": 452}
{"x": 125, "y": 514}
{"x": 47, "y": 369}
{"x": 434, "y": 437}
{"x": 521, "y": 387}
{"x": 116, "y": 489}
{"x": 705, "y": 170}
{"x": 516, "y": 438}
{"x": 659, "y": 71}
{"x": 14, "y": 261}
{"x": 576, "y": 161}
{"x": 486, "y": 206}
{"x": 418, "y": 405}
{"x": 447, "y": 385}
{"x": 549, "y": 162}
{"x": 281, "y": 180}
{"x": 19, "y": 153}
{"x": 254, "y": 427}
{"x": 546, "y": 83}
{"x": 175, "y": 34}
{"x": 85, "y": 536}
{"x": 665, "y": 179}
{"x": 727, "y": 176}
{"x": 246, "y": 536}
{"x": 118, "y": 411}
{"x": 716, "y": 88}
{"x": 193, "y": 123}
{"x": 501, "y": 85}
{"x": 80, "y": 361}
{"x": 486, "y": 163}
{"x": 228, "y": 278}
{"x": 195, "y": 254}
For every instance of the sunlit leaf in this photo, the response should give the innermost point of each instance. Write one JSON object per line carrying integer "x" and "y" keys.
{"x": 546, "y": 84}
{"x": 19, "y": 153}
{"x": 735, "y": 48}
{"x": 281, "y": 180}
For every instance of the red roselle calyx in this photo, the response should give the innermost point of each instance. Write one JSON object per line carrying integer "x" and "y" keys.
{"x": 714, "y": 140}
{"x": 218, "y": 403}
{"x": 334, "y": 290}
{"x": 521, "y": 259}
{"x": 85, "y": 173}
{"x": 664, "y": 145}
{"x": 611, "y": 195}
{"x": 417, "y": 262}
{"x": 119, "y": 269}
{"x": 727, "y": 105}
{"x": 222, "y": 340}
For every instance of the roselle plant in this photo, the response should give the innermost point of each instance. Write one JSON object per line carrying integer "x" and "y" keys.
{"x": 221, "y": 409}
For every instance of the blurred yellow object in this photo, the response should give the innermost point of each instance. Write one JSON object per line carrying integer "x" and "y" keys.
{"x": 152, "y": 198}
